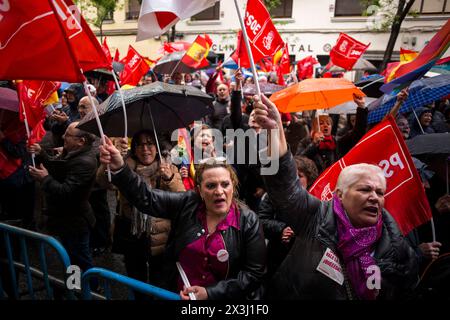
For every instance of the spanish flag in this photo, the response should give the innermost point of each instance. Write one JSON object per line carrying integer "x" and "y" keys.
{"x": 195, "y": 56}
{"x": 407, "y": 55}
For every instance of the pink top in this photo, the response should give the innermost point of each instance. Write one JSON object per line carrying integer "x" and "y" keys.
{"x": 205, "y": 261}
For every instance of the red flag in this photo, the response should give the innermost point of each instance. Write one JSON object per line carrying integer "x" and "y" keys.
{"x": 105, "y": 49}
{"x": 305, "y": 67}
{"x": 285, "y": 61}
{"x": 47, "y": 40}
{"x": 281, "y": 81}
{"x": 347, "y": 51}
{"x": 32, "y": 95}
{"x": 266, "y": 65}
{"x": 240, "y": 54}
{"x": 135, "y": 68}
{"x": 384, "y": 146}
{"x": 38, "y": 133}
{"x": 195, "y": 56}
{"x": 117, "y": 55}
{"x": 263, "y": 36}
{"x": 169, "y": 47}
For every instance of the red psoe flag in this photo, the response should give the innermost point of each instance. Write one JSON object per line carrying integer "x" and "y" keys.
{"x": 263, "y": 36}
{"x": 117, "y": 55}
{"x": 285, "y": 61}
{"x": 347, "y": 51}
{"x": 135, "y": 68}
{"x": 105, "y": 49}
{"x": 240, "y": 54}
{"x": 47, "y": 40}
{"x": 305, "y": 67}
{"x": 32, "y": 95}
{"x": 384, "y": 146}
{"x": 195, "y": 56}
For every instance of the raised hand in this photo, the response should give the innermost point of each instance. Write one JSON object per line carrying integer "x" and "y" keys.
{"x": 359, "y": 100}
{"x": 403, "y": 95}
{"x": 266, "y": 113}
{"x": 109, "y": 155}
{"x": 268, "y": 117}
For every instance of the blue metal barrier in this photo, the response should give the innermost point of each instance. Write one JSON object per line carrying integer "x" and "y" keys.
{"x": 8, "y": 234}
{"x": 131, "y": 284}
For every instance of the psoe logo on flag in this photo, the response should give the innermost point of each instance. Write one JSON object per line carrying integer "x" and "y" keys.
{"x": 326, "y": 194}
{"x": 70, "y": 16}
{"x": 267, "y": 41}
{"x": 343, "y": 46}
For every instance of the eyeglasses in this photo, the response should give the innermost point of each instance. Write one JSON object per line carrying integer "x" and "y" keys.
{"x": 213, "y": 160}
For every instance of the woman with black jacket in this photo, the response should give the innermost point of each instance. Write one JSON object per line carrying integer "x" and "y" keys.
{"x": 347, "y": 248}
{"x": 218, "y": 242}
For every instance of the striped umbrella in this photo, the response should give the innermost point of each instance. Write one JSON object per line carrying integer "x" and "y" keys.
{"x": 421, "y": 92}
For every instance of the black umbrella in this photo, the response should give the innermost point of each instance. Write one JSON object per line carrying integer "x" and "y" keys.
{"x": 432, "y": 143}
{"x": 170, "y": 62}
{"x": 101, "y": 74}
{"x": 170, "y": 106}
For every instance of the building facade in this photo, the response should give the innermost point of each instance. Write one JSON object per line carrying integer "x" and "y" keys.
{"x": 309, "y": 27}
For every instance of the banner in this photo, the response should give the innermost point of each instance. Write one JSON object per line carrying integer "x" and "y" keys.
{"x": 195, "y": 56}
{"x": 134, "y": 69}
{"x": 384, "y": 146}
{"x": 32, "y": 97}
{"x": 347, "y": 51}
{"x": 424, "y": 61}
{"x": 261, "y": 32}
{"x": 305, "y": 68}
{"x": 158, "y": 16}
{"x": 47, "y": 40}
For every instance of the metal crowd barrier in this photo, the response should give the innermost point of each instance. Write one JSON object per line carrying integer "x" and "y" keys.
{"x": 132, "y": 285}
{"x": 15, "y": 242}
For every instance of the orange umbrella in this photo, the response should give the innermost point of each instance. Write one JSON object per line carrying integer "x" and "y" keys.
{"x": 313, "y": 94}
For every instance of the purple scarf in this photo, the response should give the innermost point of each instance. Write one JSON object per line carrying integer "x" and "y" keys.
{"x": 355, "y": 246}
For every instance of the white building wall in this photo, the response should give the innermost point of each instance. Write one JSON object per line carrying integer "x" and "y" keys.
{"x": 312, "y": 30}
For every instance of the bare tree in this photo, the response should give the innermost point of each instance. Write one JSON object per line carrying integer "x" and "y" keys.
{"x": 390, "y": 15}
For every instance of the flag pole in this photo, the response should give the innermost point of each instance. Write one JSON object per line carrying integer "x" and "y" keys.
{"x": 154, "y": 132}
{"x": 372, "y": 82}
{"x": 27, "y": 128}
{"x": 99, "y": 124}
{"x": 418, "y": 121}
{"x": 125, "y": 135}
{"x": 249, "y": 51}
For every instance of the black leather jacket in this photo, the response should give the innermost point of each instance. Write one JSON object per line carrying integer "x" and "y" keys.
{"x": 314, "y": 224}
{"x": 246, "y": 247}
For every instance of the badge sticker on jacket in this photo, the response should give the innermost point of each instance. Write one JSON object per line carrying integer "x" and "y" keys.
{"x": 222, "y": 255}
{"x": 330, "y": 266}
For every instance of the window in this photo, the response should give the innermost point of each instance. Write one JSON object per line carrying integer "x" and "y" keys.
{"x": 212, "y": 13}
{"x": 348, "y": 8}
{"x": 431, "y": 6}
{"x": 133, "y": 9}
{"x": 110, "y": 16}
{"x": 283, "y": 10}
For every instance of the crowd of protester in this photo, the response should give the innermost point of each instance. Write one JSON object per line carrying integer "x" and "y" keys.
{"x": 237, "y": 234}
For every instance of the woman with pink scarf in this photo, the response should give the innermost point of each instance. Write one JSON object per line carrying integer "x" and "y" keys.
{"x": 346, "y": 248}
